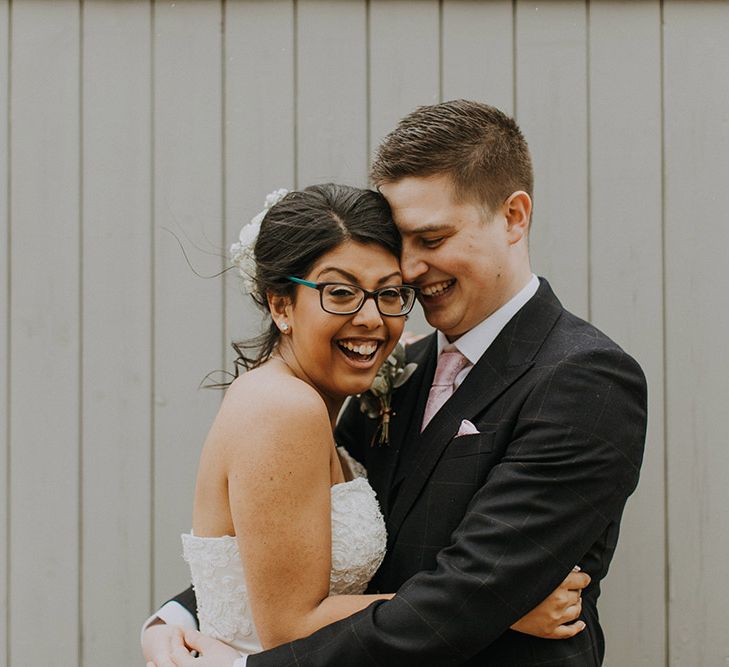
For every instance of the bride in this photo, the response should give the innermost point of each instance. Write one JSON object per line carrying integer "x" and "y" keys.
{"x": 286, "y": 531}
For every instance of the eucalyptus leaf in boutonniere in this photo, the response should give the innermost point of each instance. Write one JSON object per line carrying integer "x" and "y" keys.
{"x": 377, "y": 400}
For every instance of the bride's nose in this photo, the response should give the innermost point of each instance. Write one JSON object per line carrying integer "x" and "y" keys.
{"x": 368, "y": 316}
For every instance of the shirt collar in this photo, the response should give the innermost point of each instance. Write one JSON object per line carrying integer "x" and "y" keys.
{"x": 475, "y": 342}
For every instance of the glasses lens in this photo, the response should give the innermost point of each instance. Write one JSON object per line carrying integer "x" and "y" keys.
{"x": 395, "y": 300}
{"x": 341, "y": 298}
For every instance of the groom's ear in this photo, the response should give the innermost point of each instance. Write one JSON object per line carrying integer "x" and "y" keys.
{"x": 517, "y": 210}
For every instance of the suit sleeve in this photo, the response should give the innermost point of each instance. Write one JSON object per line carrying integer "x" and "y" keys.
{"x": 188, "y": 601}
{"x": 572, "y": 461}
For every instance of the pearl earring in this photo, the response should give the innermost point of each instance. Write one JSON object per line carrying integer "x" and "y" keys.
{"x": 284, "y": 327}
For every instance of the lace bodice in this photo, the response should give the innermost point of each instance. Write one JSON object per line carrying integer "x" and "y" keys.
{"x": 358, "y": 547}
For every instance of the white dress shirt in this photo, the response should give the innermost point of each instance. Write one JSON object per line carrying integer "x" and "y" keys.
{"x": 475, "y": 342}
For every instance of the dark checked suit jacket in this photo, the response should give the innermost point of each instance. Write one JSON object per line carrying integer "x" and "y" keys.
{"x": 482, "y": 527}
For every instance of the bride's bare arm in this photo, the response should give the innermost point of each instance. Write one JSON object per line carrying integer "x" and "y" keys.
{"x": 278, "y": 464}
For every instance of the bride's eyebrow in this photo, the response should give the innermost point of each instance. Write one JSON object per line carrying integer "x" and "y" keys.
{"x": 352, "y": 278}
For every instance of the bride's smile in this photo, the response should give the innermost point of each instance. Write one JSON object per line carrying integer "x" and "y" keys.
{"x": 339, "y": 353}
{"x": 360, "y": 351}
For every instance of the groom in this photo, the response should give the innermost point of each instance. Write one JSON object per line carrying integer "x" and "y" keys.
{"x": 516, "y": 442}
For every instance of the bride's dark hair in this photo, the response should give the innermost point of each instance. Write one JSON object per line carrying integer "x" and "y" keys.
{"x": 296, "y": 232}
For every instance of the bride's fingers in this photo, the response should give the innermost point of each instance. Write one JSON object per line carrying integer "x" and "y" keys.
{"x": 567, "y": 631}
{"x": 572, "y": 612}
{"x": 571, "y": 598}
{"x": 576, "y": 581}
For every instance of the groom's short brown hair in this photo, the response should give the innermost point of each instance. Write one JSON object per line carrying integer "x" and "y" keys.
{"x": 479, "y": 147}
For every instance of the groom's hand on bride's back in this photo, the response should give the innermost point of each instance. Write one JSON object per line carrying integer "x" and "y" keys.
{"x": 553, "y": 618}
{"x": 172, "y": 646}
{"x": 159, "y": 641}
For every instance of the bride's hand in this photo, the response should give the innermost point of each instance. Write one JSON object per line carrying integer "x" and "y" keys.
{"x": 548, "y": 619}
{"x": 212, "y": 652}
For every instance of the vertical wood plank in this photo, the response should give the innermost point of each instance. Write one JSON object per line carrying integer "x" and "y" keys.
{"x": 551, "y": 107}
{"x": 4, "y": 324}
{"x": 188, "y": 327}
{"x": 331, "y": 93}
{"x": 478, "y": 50}
{"x": 626, "y": 280}
{"x": 404, "y": 64}
{"x": 696, "y": 102}
{"x": 44, "y": 417}
{"x": 404, "y": 61}
{"x": 117, "y": 330}
{"x": 259, "y": 130}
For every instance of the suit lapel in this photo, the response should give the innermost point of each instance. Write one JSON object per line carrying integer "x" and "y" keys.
{"x": 408, "y": 401}
{"x": 506, "y": 360}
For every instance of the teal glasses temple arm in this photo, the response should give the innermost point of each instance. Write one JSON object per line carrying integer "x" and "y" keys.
{"x": 302, "y": 282}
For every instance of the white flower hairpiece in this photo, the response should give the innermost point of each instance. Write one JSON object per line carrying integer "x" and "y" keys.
{"x": 241, "y": 252}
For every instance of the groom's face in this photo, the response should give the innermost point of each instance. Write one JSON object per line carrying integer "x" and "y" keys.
{"x": 459, "y": 254}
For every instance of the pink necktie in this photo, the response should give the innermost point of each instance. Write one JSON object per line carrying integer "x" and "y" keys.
{"x": 450, "y": 363}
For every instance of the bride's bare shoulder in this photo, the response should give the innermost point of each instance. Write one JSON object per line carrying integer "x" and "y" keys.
{"x": 268, "y": 388}
{"x": 267, "y": 405}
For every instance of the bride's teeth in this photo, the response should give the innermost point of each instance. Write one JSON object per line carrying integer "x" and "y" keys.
{"x": 365, "y": 349}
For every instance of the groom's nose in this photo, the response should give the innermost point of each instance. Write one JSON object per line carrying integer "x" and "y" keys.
{"x": 412, "y": 265}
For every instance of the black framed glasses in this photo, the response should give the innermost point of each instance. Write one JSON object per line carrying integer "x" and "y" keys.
{"x": 346, "y": 299}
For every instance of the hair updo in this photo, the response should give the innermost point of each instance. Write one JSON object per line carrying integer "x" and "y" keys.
{"x": 297, "y": 231}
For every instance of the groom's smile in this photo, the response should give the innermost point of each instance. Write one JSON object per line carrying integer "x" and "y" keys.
{"x": 466, "y": 261}
{"x": 434, "y": 290}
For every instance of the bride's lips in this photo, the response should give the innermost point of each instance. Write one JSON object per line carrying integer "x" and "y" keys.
{"x": 361, "y": 353}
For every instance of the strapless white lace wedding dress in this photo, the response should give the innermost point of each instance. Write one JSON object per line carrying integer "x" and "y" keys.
{"x": 358, "y": 547}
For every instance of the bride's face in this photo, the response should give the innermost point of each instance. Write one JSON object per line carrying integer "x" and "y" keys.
{"x": 340, "y": 354}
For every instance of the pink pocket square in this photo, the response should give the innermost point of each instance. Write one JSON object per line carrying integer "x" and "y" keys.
{"x": 466, "y": 428}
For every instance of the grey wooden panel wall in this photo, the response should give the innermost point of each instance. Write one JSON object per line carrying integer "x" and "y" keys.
{"x": 122, "y": 120}
{"x": 626, "y": 293}
{"x": 4, "y": 324}
{"x": 696, "y": 147}
{"x": 45, "y": 364}
{"x": 116, "y": 324}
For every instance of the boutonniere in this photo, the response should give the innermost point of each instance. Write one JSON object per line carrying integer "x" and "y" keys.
{"x": 377, "y": 400}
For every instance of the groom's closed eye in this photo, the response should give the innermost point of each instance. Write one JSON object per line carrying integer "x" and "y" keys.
{"x": 432, "y": 242}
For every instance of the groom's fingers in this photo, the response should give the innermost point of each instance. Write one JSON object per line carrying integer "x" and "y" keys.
{"x": 160, "y": 641}
{"x": 212, "y": 651}
{"x": 196, "y": 640}
{"x": 181, "y": 657}
{"x": 164, "y": 661}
